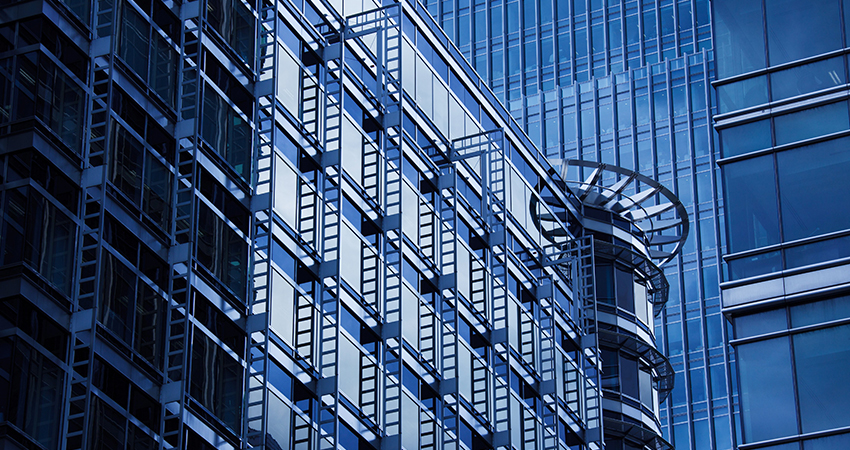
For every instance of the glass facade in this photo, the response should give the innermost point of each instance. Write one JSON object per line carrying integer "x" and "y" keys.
{"x": 782, "y": 124}
{"x": 628, "y": 83}
{"x": 302, "y": 225}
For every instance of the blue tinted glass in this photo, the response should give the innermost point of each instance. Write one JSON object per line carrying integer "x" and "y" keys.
{"x": 752, "y": 266}
{"x": 811, "y": 122}
{"x": 807, "y": 78}
{"x": 745, "y": 138}
{"x": 797, "y": 29}
{"x": 823, "y": 362}
{"x": 803, "y": 255}
{"x": 805, "y": 171}
{"x": 674, "y": 339}
{"x": 742, "y": 94}
{"x": 767, "y": 390}
{"x": 752, "y": 217}
{"x": 840, "y": 442}
{"x": 760, "y": 323}
{"x": 822, "y": 311}
{"x": 697, "y": 377}
{"x": 739, "y": 37}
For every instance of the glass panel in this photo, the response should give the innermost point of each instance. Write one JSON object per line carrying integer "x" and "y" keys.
{"x": 752, "y": 216}
{"x": 811, "y": 179}
{"x": 279, "y": 429}
{"x": 629, "y": 376}
{"x": 840, "y": 442}
{"x": 807, "y": 78}
{"x": 767, "y": 390}
{"x": 625, "y": 290}
{"x": 149, "y": 320}
{"x": 823, "y": 362}
{"x": 752, "y": 266}
{"x": 821, "y": 311}
{"x": 745, "y": 138}
{"x": 810, "y": 123}
{"x": 742, "y": 94}
{"x": 610, "y": 370}
{"x": 760, "y": 323}
{"x": 216, "y": 381}
{"x": 156, "y": 197}
{"x": 221, "y": 250}
{"x": 125, "y": 164}
{"x": 288, "y": 81}
{"x": 226, "y": 132}
{"x": 803, "y": 255}
{"x": 605, "y": 284}
{"x": 349, "y": 358}
{"x": 134, "y": 42}
{"x": 739, "y": 37}
{"x": 796, "y": 30}
{"x": 163, "y": 76}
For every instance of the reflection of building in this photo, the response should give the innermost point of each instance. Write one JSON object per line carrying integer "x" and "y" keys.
{"x": 231, "y": 227}
{"x": 783, "y": 124}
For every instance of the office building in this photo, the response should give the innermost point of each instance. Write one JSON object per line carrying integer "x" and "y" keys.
{"x": 308, "y": 225}
{"x": 626, "y": 83}
{"x": 783, "y": 126}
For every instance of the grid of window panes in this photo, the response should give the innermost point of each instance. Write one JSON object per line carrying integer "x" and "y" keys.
{"x": 172, "y": 130}
{"x": 43, "y": 76}
{"x": 804, "y": 347}
{"x": 440, "y": 103}
{"x": 653, "y": 118}
{"x": 525, "y": 47}
{"x": 770, "y": 155}
{"x": 773, "y": 160}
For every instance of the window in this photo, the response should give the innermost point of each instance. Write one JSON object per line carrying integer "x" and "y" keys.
{"x": 226, "y": 132}
{"x": 235, "y": 23}
{"x": 39, "y": 234}
{"x": 752, "y": 214}
{"x": 31, "y": 391}
{"x": 739, "y": 37}
{"x": 796, "y": 30}
{"x": 141, "y": 176}
{"x": 807, "y": 178}
{"x": 216, "y": 381}
{"x": 148, "y": 54}
{"x": 42, "y": 90}
{"x": 222, "y": 251}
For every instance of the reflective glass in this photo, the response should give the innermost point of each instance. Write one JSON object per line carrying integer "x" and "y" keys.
{"x": 279, "y": 431}
{"x": 811, "y": 123}
{"x": 745, "y": 138}
{"x": 739, "y": 37}
{"x": 807, "y": 78}
{"x": 767, "y": 396}
{"x": 752, "y": 216}
{"x": 742, "y": 94}
{"x": 697, "y": 379}
{"x": 812, "y": 181}
{"x": 797, "y": 29}
{"x": 822, "y": 358}
{"x": 820, "y": 311}
{"x": 803, "y": 255}
{"x": 629, "y": 376}
{"x": 760, "y": 323}
{"x": 840, "y": 442}
{"x": 134, "y": 43}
